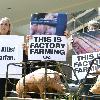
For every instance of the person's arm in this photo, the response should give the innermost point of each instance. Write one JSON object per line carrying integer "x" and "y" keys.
{"x": 25, "y": 45}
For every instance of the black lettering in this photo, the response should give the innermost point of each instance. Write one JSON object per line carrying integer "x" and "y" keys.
{"x": 6, "y": 57}
{"x": 97, "y": 62}
{"x": 47, "y": 45}
{"x": 44, "y": 39}
{"x": 98, "y": 55}
{"x": 57, "y": 45}
{"x": 76, "y": 70}
{"x": 76, "y": 64}
{"x": 31, "y": 51}
{"x": 80, "y": 70}
{"x": 41, "y": 51}
{"x": 94, "y": 68}
{"x": 41, "y": 39}
{"x": 52, "y": 45}
{"x": 46, "y": 57}
{"x": 81, "y": 58}
{"x": 85, "y": 57}
{"x": 36, "y": 45}
{"x": 47, "y": 51}
{"x": 57, "y": 39}
{"x": 91, "y": 56}
{"x": 62, "y": 52}
{"x": 7, "y": 49}
{"x": 85, "y": 69}
{"x": 85, "y": 63}
{"x": 48, "y": 39}
{"x": 80, "y": 64}
{"x": 36, "y": 39}
{"x": 62, "y": 45}
{"x": 32, "y": 45}
{"x": 41, "y": 45}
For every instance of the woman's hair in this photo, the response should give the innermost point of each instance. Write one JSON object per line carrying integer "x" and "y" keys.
{"x": 8, "y": 20}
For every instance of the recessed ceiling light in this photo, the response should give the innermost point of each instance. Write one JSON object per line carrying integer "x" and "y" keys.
{"x": 9, "y": 8}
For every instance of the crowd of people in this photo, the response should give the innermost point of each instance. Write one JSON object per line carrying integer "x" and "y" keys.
{"x": 5, "y": 29}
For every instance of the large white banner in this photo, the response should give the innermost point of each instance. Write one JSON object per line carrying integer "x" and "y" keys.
{"x": 11, "y": 51}
{"x": 47, "y": 47}
{"x": 81, "y": 63}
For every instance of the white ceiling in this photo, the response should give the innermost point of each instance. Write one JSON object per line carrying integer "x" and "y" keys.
{"x": 21, "y": 10}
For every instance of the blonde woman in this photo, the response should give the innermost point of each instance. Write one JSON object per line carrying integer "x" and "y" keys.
{"x": 5, "y": 26}
{"x": 5, "y": 29}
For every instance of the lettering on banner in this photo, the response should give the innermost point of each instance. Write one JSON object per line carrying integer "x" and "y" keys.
{"x": 83, "y": 62}
{"x": 47, "y": 46}
{"x": 7, "y": 56}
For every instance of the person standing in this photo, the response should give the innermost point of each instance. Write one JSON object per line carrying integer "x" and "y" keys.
{"x": 5, "y": 29}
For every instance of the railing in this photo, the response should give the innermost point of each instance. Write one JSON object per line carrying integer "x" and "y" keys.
{"x": 84, "y": 25}
{"x": 80, "y": 15}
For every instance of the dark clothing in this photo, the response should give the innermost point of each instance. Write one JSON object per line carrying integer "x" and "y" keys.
{"x": 10, "y": 86}
{"x": 36, "y": 64}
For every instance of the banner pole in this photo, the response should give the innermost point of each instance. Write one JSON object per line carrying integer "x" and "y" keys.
{"x": 45, "y": 89}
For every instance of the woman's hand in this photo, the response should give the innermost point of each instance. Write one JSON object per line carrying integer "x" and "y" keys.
{"x": 28, "y": 37}
{"x": 25, "y": 48}
{"x": 25, "y": 45}
{"x": 67, "y": 33}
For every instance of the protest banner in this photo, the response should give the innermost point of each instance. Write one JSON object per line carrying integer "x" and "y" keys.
{"x": 47, "y": 47}
{"x": 81, "y": 63}
{"x": 48, "y": 24}
{"x": 11, "y": 51}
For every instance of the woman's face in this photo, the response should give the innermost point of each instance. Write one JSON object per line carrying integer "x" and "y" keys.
{"x": 4, "y": 27}
{"x": 34, "y": 28}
